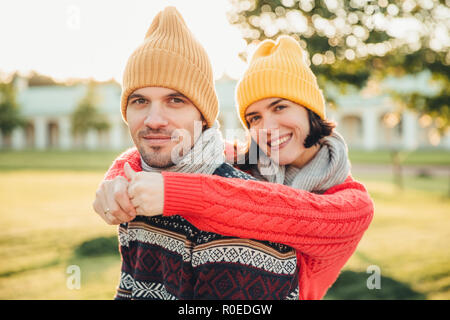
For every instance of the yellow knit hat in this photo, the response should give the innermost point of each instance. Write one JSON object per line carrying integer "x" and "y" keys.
{"x": 171, "y": 57}
{"x": 278, "y": 70}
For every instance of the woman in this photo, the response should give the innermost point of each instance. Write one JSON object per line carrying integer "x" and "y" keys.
{"x": 306, "y": 197}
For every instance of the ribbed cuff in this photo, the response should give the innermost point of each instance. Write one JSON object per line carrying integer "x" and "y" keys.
{"x": 182, "y": 193}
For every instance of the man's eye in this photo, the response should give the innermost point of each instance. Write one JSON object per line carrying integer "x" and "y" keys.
{"x": 140, "y": 101}
{"x": 176, "y": 100}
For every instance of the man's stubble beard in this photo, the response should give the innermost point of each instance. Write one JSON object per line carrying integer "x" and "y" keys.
{"x": 153, "y": 156}
{"x": 156, "y": 158}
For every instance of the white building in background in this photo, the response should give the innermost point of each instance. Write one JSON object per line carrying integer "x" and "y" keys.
{"x": 48, "y": 110}
{"x": 368, "y": 119}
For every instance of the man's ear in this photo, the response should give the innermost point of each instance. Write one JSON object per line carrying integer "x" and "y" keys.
{"x": 205, "y": 124}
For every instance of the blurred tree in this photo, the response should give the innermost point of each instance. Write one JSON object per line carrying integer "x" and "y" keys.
{"x": 10, "y": 116}
{"x": 86, "y": 116}
{"x": 350, "y": 41}
{"x": 37, "y": 79}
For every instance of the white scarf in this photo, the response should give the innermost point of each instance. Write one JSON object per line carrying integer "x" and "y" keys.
{"x": 205, "y": 156}
{"x": 329, "y": 167}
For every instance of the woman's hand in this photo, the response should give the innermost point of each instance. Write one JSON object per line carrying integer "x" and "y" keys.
{"x": 146, "y": 191}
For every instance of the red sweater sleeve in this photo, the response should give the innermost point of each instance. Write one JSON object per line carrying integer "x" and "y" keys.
{"x": 325, "y": 229}
{"x": 318, "y": 224}
{"x": 131, "y": 156}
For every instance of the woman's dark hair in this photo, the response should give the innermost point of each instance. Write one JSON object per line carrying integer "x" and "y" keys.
{"x": 318, "y": 129}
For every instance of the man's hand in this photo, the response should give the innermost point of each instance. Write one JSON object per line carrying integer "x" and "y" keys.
{"x": 112, "y": 202}
{"x": 146, "y": 191}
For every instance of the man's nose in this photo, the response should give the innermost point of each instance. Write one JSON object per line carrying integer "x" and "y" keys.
{"x": 155, "y": 117}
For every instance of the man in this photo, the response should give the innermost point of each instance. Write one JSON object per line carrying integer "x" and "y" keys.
{"x": 168, "y": 90}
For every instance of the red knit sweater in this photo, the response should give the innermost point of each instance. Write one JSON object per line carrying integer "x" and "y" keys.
{"x": 325, "y": 229}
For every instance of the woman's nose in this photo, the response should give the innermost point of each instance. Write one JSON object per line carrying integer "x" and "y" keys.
{"x": 270, "y": 126}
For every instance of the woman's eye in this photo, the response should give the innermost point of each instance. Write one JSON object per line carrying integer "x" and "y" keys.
{"x": 253, "y": 119}
{"x": 280, "y": 107}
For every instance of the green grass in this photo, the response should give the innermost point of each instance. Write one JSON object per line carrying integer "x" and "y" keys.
{"x": 407, "y": 240}
{"x": 428, "y": 157}
{"x": 56, "y": 160}
{"x": 98, "y": 160}
{"x": 48, "y": 225}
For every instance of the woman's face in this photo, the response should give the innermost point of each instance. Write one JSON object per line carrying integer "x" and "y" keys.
{"x": 280, "y": 128}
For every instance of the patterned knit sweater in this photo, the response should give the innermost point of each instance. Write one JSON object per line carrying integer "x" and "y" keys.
{"x": 325, "y": 229}
{"x": 169, "y": 258}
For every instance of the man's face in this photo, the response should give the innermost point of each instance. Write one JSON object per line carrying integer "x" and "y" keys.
{"x": 158, "y": 119}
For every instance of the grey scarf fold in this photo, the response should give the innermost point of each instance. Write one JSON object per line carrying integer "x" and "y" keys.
{"x": 205, "y": 156}
{"x": 329, "y": 167}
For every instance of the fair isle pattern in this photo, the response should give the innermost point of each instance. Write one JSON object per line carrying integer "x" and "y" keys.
{"x": 122, "y": 295}
{"x": 123, "y": 235}
{"x": 126, "y": 281}
{"x": 154, "y": 291}
{"x": 294, "y": 295}
{"x": 171, "y": 241}
{"x": 125, "y": 286}
{"x": 253, "y": 254}
{"x": 157, "y": 291}
{"x": 169, "y": 258}
{"x": 130, "y": 288}
{"x": 225, "y": 172}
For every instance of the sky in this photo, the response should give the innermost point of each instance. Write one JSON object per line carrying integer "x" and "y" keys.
{"x": 93, "y": 39}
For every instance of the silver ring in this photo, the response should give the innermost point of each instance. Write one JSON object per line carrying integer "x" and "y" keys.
{"x": 106, "y": 211}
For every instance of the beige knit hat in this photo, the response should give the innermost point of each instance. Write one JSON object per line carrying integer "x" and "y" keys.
{"x": 171, "y": 57}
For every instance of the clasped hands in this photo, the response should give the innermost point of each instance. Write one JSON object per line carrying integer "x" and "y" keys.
{"x": 120, "y": 200}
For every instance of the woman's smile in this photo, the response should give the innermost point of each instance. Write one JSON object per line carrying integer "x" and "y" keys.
{"x": 279, "y": 142}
